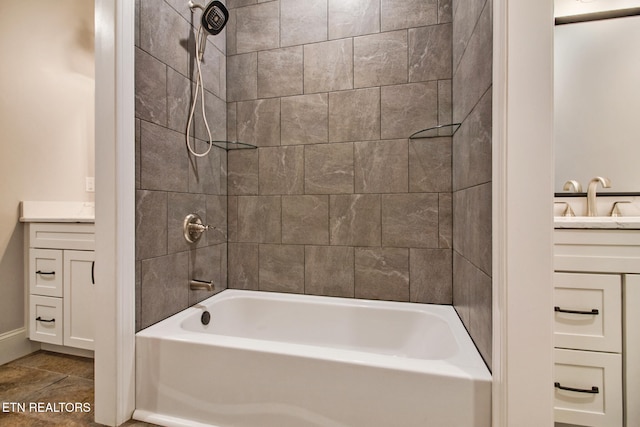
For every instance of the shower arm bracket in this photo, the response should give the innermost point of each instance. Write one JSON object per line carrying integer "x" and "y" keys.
{"x": 193, "y": 5}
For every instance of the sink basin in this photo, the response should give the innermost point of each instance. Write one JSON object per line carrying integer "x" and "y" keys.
{"x": 621, "y": 222}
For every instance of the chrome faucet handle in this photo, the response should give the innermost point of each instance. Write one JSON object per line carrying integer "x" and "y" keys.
{"x": 572, "y": 186}
{"x": 192, "y": 227}
{"x": 615, "y": 210}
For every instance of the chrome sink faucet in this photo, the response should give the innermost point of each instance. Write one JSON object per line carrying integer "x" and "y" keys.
{"x": 592, "y": 208}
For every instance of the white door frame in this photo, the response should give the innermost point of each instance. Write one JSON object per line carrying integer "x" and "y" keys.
{"x": 115, "y": 212}
{"x": 522, "y": 212}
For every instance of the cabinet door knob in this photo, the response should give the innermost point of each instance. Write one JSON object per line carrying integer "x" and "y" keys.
{"x": 93, "y": 277}
{"x": 45, "y": 272}
{"x": 40, "y": 319}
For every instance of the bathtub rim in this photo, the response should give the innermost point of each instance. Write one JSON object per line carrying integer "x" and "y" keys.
{"x": 466, "y": 364}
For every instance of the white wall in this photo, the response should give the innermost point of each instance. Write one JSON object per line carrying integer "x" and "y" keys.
{"x": 46, "y": 122}
{"x": 597, "y": 99}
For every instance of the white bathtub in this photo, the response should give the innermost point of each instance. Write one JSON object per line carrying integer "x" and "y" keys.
{"x": 282, "y": 360}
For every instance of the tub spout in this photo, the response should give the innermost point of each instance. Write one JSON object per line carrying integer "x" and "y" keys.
{"x": 201, "y": 285}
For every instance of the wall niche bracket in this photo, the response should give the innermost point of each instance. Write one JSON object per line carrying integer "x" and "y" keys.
{"x": 436, "y": 131}
{"x": 233, "y": 145}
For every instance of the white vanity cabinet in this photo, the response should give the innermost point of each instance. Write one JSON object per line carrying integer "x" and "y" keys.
{"x": 596, "y": 331}
{"x": 60, "y": 276}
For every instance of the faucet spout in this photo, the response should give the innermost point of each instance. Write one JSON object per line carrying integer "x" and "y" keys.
{"x": 201, "y": 285}
{"x": 592, "y": 208}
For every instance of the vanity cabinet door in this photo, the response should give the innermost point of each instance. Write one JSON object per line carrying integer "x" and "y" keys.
{"x": 45, "y": 272}
{"x": 588, "y": 388}
{"x": 632, "y": 349}
{"x": 46, "y": 322}
{"x": 79, "y": 295}
{"x": 588, "y": 311}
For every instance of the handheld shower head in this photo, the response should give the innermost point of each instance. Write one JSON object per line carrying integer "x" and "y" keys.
{"x": 214, "y": 17}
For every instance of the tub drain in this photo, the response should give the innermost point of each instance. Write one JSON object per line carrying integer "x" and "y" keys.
{"x": 205, "y": 318}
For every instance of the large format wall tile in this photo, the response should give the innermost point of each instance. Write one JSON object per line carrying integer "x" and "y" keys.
{"x": 258, "y": 27}
{"x": 353, "y": 18}
{"x": 243, "y": 84}
{"x": 408, "y": 108}
{"x": 472, "y": 225}
{"x": 431, "y": 276}
{"x": 305, "y": 220}
{"x": 472, "y": 300}
{"x": 410, "y": 220}
{"x": 466, "y": 18}
{"x": 259, "y": 219}
{"x": 472, "y": 147}
{"x": 302, "y": 21}
{"x": 243, "y": 266}
{"x": 355, "y": 219}
{"x": 473, "y": 76}
{"x": 328, "y": 66}
{"x": 165, "y": 34}
{"x": 430, "y": 53}
{"x": 164, "y": 164}
{"x": 430, "y": 165}
{"x": 165, "y": 287}
{"x": 281, "y": 170}
{"x": 381, "y": 166}
{"x": 408, "y": 13}
{"x": 354, "y": 115}
{"x": 328, "y": 168}
{"x": 382, "y": 273}
{"x": 281, "y": 268}
{"x": 178, "y": 93}
{"x": 380, "y": 59}
{"x": 259, "y": 122}
{"x": 243, "y": 172}
{"x": 151, "y": 224}
{"x": 445, "y": 220}
{"x": 280, "y": 72}
{"x": 150, "y": 87}
{"x": 329, "y": 271}
{"x": 304, "y": 119}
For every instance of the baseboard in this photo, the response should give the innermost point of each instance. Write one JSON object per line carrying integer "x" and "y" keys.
{"x": 15, "y": 344}
{"x": 67, "y": 350}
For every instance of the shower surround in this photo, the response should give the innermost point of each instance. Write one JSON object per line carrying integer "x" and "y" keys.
{"x": 336, "y": 200}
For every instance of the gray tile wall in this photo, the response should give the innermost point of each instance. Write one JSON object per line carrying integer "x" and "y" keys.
{"x": 337, "y": 200}
{"x": 170, "y": 183}
{"x": 472, "y": 83}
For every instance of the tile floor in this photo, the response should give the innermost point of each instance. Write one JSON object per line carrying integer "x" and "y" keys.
{"x": 46, "y": 377}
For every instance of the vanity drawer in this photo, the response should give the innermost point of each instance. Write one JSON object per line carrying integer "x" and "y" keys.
{"x": 588, "y": 311}
{"x": 596, "y": 380}
{"x": 45, "y": 272}
{"x": 45, "y": 322}
{"x": 62, "y": 236}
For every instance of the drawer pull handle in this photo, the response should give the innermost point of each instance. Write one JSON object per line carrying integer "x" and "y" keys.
{"x": 593, "y": 390}
{"x": 40, "y": 319}
{"x": 46, "y": 272}
{"x": 562, "y": 310}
